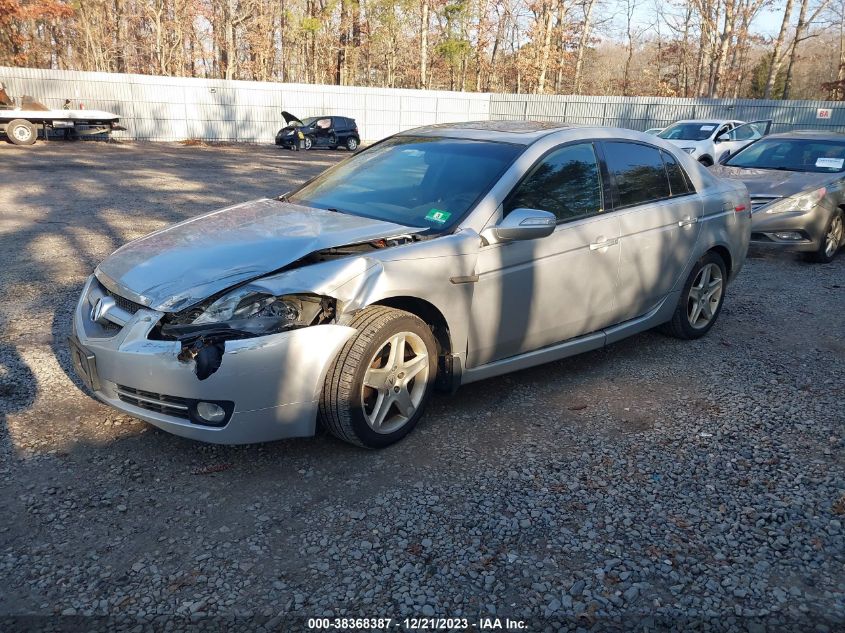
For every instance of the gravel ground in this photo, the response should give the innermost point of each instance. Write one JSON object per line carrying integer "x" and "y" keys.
{"x": 651, "y": 485}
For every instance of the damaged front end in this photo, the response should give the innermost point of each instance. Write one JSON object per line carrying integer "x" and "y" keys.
{"x": 258, "y": 309}
{"x": 244, "y": 313}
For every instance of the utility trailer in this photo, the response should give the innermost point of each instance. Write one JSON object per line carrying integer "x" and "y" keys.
{"x": 20, "y": 121}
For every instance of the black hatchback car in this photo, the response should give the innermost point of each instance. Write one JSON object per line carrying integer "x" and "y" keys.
{"x": 319, "y": 131}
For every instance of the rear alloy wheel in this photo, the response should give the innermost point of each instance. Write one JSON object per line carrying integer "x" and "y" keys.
{"x": 701, "y": 299}
{"x": 832, "y": 239}
{"x": 351, "y": 143}
{"x": 376, "y": 390}
{"x": 21, "y": 132}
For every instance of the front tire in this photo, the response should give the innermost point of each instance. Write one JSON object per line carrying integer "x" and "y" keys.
{"x": 21, "y": 132}
{"x": 701, "y": 299}
{"x": 307, "y": 143}
{"x": 376, "y": 390}
{"x": 706, "y": 161}
{"x": 831, "y": 240}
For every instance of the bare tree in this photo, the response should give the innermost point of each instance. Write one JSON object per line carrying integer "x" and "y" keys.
{"x": 587, "y": 6}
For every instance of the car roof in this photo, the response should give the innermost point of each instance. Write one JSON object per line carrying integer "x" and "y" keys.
{"x": 519, "y": 132}
{"x": 817, "y": 135}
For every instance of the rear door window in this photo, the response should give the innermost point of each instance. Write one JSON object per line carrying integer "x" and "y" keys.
{"x": 637, "y": 171}
{"x": 678, "y": 180}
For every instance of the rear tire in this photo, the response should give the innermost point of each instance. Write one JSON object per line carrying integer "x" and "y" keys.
{"x": 21, "y": 132}
{"x": 351, "y": 143}
{"x": 701, "y": 299}
{"x": 831, "y": 240}
{"x": 376, "y": 389}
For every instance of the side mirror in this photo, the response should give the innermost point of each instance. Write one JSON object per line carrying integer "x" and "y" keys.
{"x": 724, "y": 158}
{"x": 521, "y": 224}
{"x": 721, "y": 138}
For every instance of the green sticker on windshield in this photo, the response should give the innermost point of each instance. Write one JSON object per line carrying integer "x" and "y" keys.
{"x": 436, "y": 215}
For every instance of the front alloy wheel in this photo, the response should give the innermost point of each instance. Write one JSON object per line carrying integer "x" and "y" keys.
{"x": 308, "y": 143}
{"x": 832, "y": 239}
{"x": 376, "y": 389}
{"x": 395, "y": 382}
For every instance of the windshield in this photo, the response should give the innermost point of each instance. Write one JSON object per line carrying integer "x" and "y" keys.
{"x": 415, "y": 181}
{"x": 792, "y": 154}
{"x": 688, "y": 131}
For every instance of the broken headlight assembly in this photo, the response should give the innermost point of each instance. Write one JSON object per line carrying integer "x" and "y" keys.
{"x": 246, "y": 312}
{"x": 241, "y": 313}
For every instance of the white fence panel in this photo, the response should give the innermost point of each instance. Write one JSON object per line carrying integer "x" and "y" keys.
{"x": 177, "y": 108}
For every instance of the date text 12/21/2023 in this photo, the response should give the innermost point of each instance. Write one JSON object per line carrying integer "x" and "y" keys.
{"x": 416, "y": 624}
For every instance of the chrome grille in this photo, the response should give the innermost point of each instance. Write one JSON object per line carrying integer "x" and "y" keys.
{"x": 123, "y": 303}
{"x": 156, "y": 402}
{"x": 758, "y": 202}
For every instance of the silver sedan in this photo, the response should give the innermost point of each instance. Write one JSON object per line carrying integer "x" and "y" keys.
{"x": 437, "y": 257}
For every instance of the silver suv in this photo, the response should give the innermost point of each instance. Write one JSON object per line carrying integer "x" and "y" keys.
{"x": 437, "y": 257}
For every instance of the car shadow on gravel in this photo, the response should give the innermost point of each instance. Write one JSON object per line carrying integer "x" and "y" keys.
{"x": 18, "y": 386}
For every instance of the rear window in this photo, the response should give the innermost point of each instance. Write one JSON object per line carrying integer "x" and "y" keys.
{"x": 638, "y": 172}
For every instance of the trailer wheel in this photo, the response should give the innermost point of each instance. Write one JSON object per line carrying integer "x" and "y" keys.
{"x": 21, "y": 132}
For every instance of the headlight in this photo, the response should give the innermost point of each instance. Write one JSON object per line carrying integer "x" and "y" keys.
{"x": 801, "y": 202}
{"x": 689, "y": 150}
{"x": 254, "y": 311}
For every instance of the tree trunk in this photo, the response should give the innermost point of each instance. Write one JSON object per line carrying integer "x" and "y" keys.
{"x": 793, "y": 52}
{"x": 777, "y": 60}
{"x": 725, "y": 41}
{"x": 424, "y": 45}
{"x": 583, "y": 41}
{"x": 839, "y": 93}
{"x": 547, "y": 45}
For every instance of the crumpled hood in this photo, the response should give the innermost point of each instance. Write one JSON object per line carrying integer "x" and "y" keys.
{"x": 772, "y": 182}
{"x": 181, "y": 265}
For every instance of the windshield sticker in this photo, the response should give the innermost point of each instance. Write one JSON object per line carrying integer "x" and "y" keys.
{"x": 832, "y": 163}
{"x": 707, "y": 128}
{"x": 438, "y": 216}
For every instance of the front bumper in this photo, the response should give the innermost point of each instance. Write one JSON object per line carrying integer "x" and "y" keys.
{"x": 809, "y": 226}
{"x": 274, "y": 381}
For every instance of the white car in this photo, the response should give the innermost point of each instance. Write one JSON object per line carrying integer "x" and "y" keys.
{"x": 710, "y": 141}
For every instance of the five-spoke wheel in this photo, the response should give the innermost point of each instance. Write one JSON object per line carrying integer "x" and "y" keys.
{"x": 377, "y": 387}
{"x": 701, "y": 298}
{"x": 705, "y": 295}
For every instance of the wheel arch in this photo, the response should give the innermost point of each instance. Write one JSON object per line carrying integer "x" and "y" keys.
{"x": 723, "y": 252}
{"x": 426, "y": 311}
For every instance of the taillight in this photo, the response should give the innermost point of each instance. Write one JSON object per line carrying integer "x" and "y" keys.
{"x": 740, "y": 208}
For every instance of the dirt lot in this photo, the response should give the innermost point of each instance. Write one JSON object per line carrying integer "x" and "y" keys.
{"x": 651, "y": 484}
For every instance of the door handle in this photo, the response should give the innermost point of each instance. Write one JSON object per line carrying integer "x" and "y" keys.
{"x": 687, "y": 221}
{"x": 602, "y": 243}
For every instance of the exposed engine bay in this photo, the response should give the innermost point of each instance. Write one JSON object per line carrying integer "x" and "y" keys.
{"x": 203, "y": 340}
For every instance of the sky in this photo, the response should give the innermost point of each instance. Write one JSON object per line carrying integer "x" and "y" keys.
{"x": 766, "y": 23}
